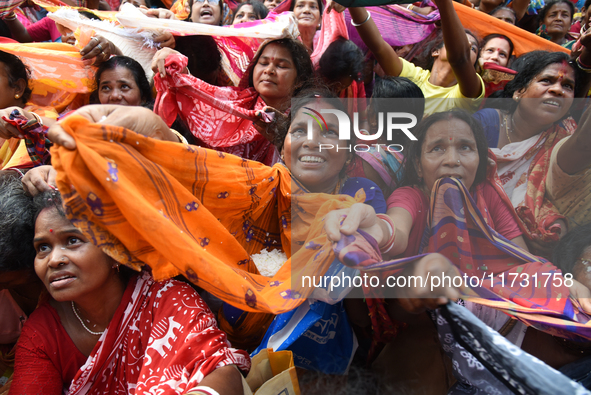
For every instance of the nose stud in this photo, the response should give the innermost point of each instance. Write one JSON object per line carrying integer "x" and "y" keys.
{"x": 458, "y": 161}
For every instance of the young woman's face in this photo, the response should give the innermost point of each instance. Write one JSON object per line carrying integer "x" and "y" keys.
{"x": 207, "y": 12}
{"x": 307, "y": 13}
{"x": 274, "y": 75}
{"x": 118, "y": 86}
{"x": 449, "y": 150}
{"x": 271, "y": 4}
{"x": 505, "y": 15}
{"x": 558, "y": 19}
{"x": 245, "y": 14}
{"x": 497, "y": 51}
{"x": 549, "y": 96}
{"x": 316, "y": 166}
{"x": 70, "y": 266}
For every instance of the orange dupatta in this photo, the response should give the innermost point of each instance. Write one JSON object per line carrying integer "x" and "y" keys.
{"x": 187, "y": 210}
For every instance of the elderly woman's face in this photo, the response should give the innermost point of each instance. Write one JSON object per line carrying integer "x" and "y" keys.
{"x": 307, "y": 13}
{"x": 449, "y": 150}
{"x": 207, "y": 12}
{"x": 558, "y": 19}
{"x": 118, "y": 86}
{"x": 70, "y": 266}
{"x": 315, "y": 162}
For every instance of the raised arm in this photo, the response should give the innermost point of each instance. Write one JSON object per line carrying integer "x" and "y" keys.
{"x": 369, "y": 33}
{"x": 520, "y": 8}
{"x": 575, "y": 154}
{"x": 18, "y": 31}
{"x": 458, "y": 50}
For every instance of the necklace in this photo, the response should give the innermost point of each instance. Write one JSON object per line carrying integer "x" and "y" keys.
{"x": 82, "y": 322}
{"x": 507, "y": 127}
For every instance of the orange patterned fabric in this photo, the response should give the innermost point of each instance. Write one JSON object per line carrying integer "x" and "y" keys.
{"x": 187, "y": 210}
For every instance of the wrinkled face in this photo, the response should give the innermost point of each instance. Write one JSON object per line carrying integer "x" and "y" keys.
{"x": 316, "y": 166}
{"x": 271, "y": 4}
{"x": 549, "y": 95}
{"x": 245, "y": 14}
{"x": 449, "y": 150}
{"x": 118, "y": 86}
{"x": 135, "y": 3}
{"x": 207, "y": 12}
{"x": 70, "y": 266}
{"x": 505, "y": 15}
{"x": 307, "y": 13}
{"x": 274, "y": 75}
{"x": 558, "y": 19}
{"x": 497, "y": 51}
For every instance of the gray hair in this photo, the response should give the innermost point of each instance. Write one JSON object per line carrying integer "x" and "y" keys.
{"x": 17, "y": 227}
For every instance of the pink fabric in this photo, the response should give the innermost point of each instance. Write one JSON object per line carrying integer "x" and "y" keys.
{"x": 44, "y": 30}
{"x": 333, "y": 26}
{"x": 496, "y": 213}
{"x": 220, "y": 117}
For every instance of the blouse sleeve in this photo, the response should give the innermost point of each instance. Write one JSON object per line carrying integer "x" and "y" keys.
{"x": 503, "y": 218}
{"x": 489, "y": 119}
{"x": 199, "y": 345}
{"x": 34, "y": 372}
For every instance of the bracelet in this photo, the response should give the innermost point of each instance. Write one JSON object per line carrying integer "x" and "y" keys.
{"x": 10, "y": 17}
{"x": 390, "y": 243}
{"x": 410, "y": 7}
{"x": 585, "y": 68}
{"x": 359, "y": 24}
{"x": 181, "y": 138}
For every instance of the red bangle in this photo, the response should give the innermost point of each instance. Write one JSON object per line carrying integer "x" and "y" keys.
{"x": 390, "y": 243}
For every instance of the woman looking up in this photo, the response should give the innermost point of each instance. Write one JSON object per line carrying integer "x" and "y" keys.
{"x": 452, "y": 76}
{"x": 121, "y": 80}
{"x": 308, "y": 13}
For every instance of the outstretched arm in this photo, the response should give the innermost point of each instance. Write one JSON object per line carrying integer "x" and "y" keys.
{"x": 369, "y": 33}
{"x": 458, "y": 50}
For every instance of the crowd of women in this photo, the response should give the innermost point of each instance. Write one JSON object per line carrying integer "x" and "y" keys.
{"x": 172, "y": 171}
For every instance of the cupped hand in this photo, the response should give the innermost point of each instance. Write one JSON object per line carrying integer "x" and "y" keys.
{"x": 348, "y": 221}
{"x": 138, "y": 119}
{"x": 39, "y": 179}
{"x": 266, "y": 128}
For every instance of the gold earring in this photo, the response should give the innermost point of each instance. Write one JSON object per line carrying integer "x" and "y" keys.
{"x": 17, "y": 96}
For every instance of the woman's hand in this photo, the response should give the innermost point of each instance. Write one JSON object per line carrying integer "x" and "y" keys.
{"x": 265, "y": 128}
{"x": 333, "y": 5}
{"x": 98, "y": 48}
{"x": 138, "y": 119}
{"x": 348, "y": 221}
{"x": 431, "y": 291}
{"x": 159, "y": 61}
{"x": 582, "y": 294}
{"x": 164, "y": 40}
{"x": 39, "y": 179}
{"x": 7, "y": 131}
{"x": 158, "y": 13}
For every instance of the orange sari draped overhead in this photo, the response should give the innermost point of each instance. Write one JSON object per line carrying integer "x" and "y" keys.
{"x": 186, "y": 210}
{"x": 483, "y": 24}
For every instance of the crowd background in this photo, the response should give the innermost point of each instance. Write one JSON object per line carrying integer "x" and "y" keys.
{"x": 163, "y": 192}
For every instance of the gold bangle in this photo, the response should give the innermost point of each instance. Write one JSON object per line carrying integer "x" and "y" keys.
{"x": 410, "y": 7}
{"x": 180, "y": 136}
{"x": 10, "y": 17}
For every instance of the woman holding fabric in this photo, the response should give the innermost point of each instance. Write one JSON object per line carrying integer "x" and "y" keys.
{"x": 542, "y": 174}
{"x": 277, "y": 72}
{"x": 105, "y": 329}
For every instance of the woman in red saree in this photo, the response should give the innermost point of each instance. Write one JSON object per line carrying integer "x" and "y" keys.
{"x": 103, "y": 331}
{"x": 228, "y": 119}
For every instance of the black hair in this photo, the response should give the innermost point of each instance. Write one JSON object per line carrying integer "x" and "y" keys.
{"x": 220, "y": 4}
{"x": 259, "y": 9}
{"x": 486, "y": 39}
{"x": 203, "y": 54}
{"x": 571, "y": 247}
{"x": 342, "y": 58}
{"x": 89, "y": 15}
{"x": 17, "y": 227}
{"x": 503, "y": 7}
{"x": 410, "y": 100}
{"x": 413, "y": 154}
{"x": 299, "y": 56}
{"x": 15, "y": 71}
{"x": 139, "y": 75}
{"x": 551, "y": 3}
{"x": 426, "y": 58}
{"x": 528, "y": 66}
{"x": 320, "y": 5}
{"x": 587, "y": 4}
